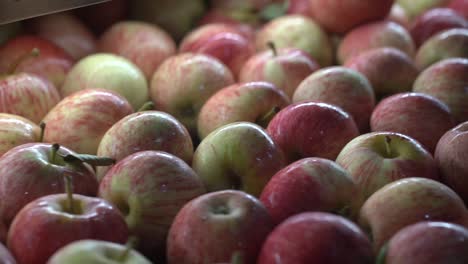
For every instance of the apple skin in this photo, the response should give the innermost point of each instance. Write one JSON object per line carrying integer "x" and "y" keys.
{"x": 225, "y": 42}
{"x": 108, "y": 71}
{"x": 48, "y": 217}
{"x": 285, "y": 68}
{"x": 428, "y": 242}
{"x": 343, "y": 87}
{"x": 300, "y": 7}
{"x": 375, "y": 35}
{"x": 96, "y": 252}
{"x": 147, "y": 130}
{"x": 297, "y": 31}
{"x": 184, "y": 82}
{"x": 249, "y": 102}
{"x": 450, "y": 154}
{"x": 371, "y": 165}
{"x": 150, "y": 187}
{"x": 433, "y": 21}
{"x": 144, "y": 44}
{"x": 239, "y": 155}
{"x": 80, "y": 120}
{"x": 316, "y": 237}
{"x": 417, "y": 115}
{"x": 229, "y": 221}
{"x": 66, "y": 31}
{"x": 27, "y": 172}
{"x": 408, "y": 201}
{"x": 399, "y": 15}
{"x": 460, "y": 6}
{"x": 450, "y": 43}
{"x": 309, "y": 184}
{"x": 53, "y": 63}
{"x": 340, "y": 16}
{"x": 312, "y": 129}
{"x": 5, "y": 256}
{"x": 216, "y": 16}
{"x": 415, "y": 8}
{"x": 447, "y": 81}
{"x": 389, "y": 70}
{"x": 16, "y": 130}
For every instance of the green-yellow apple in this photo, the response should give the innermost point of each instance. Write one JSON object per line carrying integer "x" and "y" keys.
{"x": 417, "y": 7}
{"x": 16, "y": 130}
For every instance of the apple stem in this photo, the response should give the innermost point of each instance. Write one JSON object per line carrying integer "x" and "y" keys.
{"x": 272, "y": 47}
{"x": 32, "y": 54}
{"x": 382, "y": 254}
{"x": 92, "y": 160}
{"x": 69, "y": 191}
{"x": 146, "y": 106}
{"x": 131, "y": 244}
{"x": 264, "y": 120}
{"x": 42, "y": 125}
{"x": 237, "y": 258}
{"x": 55, "y": 148}
{"x": 387, "y": 145}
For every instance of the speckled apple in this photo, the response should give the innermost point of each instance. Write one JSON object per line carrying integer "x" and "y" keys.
{"x": 16, "y": 130}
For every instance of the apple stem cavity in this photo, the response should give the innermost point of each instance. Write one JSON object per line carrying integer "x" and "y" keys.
{"x": 69, "y": 191}
{"x": 264, "y": 120}
{"x": 131, "y": 244}
{"x": 42, "y": 125}
{"x": 146, "y": 107}
{"x": 387, "y": 145}
{"x": 55, "y": 148}
{"x": 271, "y": 45}
{"x": 32, "y": 54}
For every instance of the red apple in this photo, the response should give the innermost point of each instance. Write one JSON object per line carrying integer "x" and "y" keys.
{"x": 150, "y": 187}
{"x": 311, "y": 129}
{"x": 420, "y": 116}
{"x": 342, "y": 87}
{"x": 309, "y": 184}
{"x": 16, "y": 130}
{"x": 450, "y": 154}
{"x": 214, "y": 226}
{"x": 80, "y": 120}
{"x": 255, "y": 102}
{"x": 316, "y": 237}
{"x": 285, "y": 68}
{"x": 48, "y": 223}
{"x": 144, "y": 44}
{"x": 5, "y": 256}
{"x": 299, "y": 7}
{"x": 216, "y": 16}
{"x": 460, "y": 6}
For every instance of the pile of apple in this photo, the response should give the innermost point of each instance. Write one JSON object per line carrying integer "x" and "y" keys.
{"x": 236, "y": 131}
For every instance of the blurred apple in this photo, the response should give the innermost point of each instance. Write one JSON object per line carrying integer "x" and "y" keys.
{"x": 244, "y": 11}
{"x": 80, "y": 120}
{"x": 447, "y": 80}
{"x": 216, "y": 16}
{"x": 312, "y": 129}
{"x": 144, "y": 44}
{"x": 285, "y": 68}
{"x": 316, "y": 237}
{"x": 149, "y": 188}
{"x": 399, "y": 15}
{"x": 184, "y": 82}
{"x": 460, "y": 6}
{"x": 108, "y": 71}
{"x": 408, "y": 201}
{"x": 214, "y": 226}
{"x": 99, "y": 17}
{"x": 299, "y": 7}
{"x": 342, "y": 87}
{"x": 239, "y": 155}
{"x": 417, "y": 115}
{"x": 450, "y": 43}
{"x": 296, "y": 31}
{"x": 10, "y": 30}
{"x": 255, "y": 102}
{"x": 5, "y": 256}
{"x": 417, "y": 7}
{"x": 16, "y": 130}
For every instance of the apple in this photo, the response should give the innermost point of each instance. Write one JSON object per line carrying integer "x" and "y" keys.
{"x": 144, "y": 44}
{"x": 460, "y": 6}
{"x": 214, "y": 226}
{"x": 52, "y": 62}
{"x": 80, "y": 120}
{"x": 343, "y": 87}
{"x": 146, "y": 130}
{"x": 433, "y": 21}
{"x": 244, "y": 11}
{"x": 309, "y": 184}
{"x": 216, "y": 16}
{"x": 50, "y": 222}
{"x": 32, "y": 170}
{"x": 149, "y": 188}
{"x": 340, "y": 16}
{"x": 96, "y": 252}
{"x": 225, "y": 42}
{"x": 408, "y": 201}
{"x": 184, "y": 82}
{"x": 285, "y": 68}
{"x": 16, "y": 130}
{"x": 108, "y": 71}
{"x": 389, "y": 70}
{"x": 10, "y": 30}
{"x": 66, "y": 31}
{"x": 239, "y": 155}
{"x": 255, "y": 102}
{"x": 377, "y": 158}
{"x": 297, "y": 31}
{"x": 312, "y": 129}
{"x": 299, "y": 7}
{"x": 450, "y": 154}
{"x": 420, "y": 116}
{"x": 417, "y": 7}
{"x": 428, "y": 242}
{"x": 375, "y": 35}
{"x": 399, "y": 15}
{"x": 99, "y": 17}
{"x": 450, "y": 43}
{"x": 316, "y": 237}
{"x": 5, "y": 256}
{"x": 447, "y": 81}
